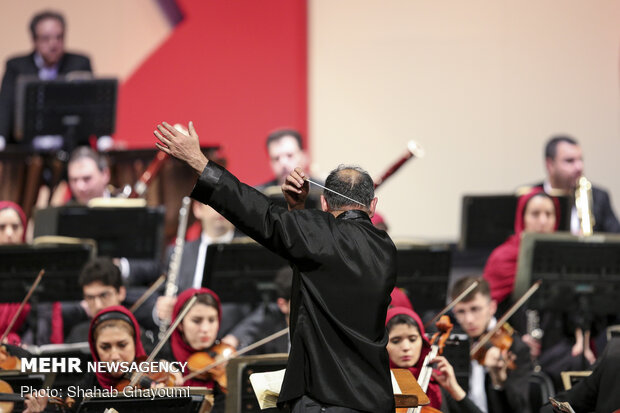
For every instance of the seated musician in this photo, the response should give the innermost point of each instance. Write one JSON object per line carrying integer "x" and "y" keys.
{"x": 102, "y": 286}
{"x": 564, "y": 342}
{"x": 408, "y": 347}
{"x": 536, "y": 212}
{"x": 114, "y": 336}
{"x": 197, "y": 333}
{"x": 493, "y": 387}
{"x": 12, "y": 232}
{"x": 267, "y": 319}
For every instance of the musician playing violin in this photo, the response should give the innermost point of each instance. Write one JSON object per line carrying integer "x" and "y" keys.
{"x": 197, "y": 333}
{"x": 493, "y": 387}
{"x": 408, "y": 347}
{"x": 114, "y": 336}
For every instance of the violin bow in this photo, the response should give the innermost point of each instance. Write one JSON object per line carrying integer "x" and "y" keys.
{"x": 165, "y": 337}
{"x": 505, "y": 317}
{"x": 452, "y": 304}
{"x": 237, "y": 354}
{"x": 22, "y": 305}
{"x": 148, "y": 293}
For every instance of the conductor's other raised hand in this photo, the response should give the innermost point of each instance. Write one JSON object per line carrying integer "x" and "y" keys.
{"x": 295, "y": 189}
{"x": 185, "y": 147}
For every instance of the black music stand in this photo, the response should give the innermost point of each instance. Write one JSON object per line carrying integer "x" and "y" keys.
{"x": 488, "y": 220}
{"x": 424, "y": 271}
{"x": 242, "y": 272}
{"x": 189, "y": 404}
{"x": 119, "y": 232}
{"x": 241, "y": 397}
{"x": 582, "y": 273}
{"x": 20, "y": 265}
{"x": 456, "y": 351}
{"x": 75, "y": 109}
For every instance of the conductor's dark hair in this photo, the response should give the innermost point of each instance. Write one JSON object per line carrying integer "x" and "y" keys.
{"x": 551, "y": 148}
{"x": 281, "y": 133}
{"x": 103, "y": 270}
{"x": 351, "y": 181}
{"x": 284, "y": 282}
{"x": 463, "y": 283}
{"x": 83, "y": 152}
{"x": 47, "y": 14}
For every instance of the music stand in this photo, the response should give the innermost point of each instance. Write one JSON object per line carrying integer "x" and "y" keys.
{"x": 189, "y": 404}
{"x": 136, "y": 233}
{"x": 241, "y": 397}
{"x": 20, "y": 265}
{"x": 456, "y": 351}
{"x": 582, "y": 273}
{"x": 424, "y": 271}
{"x": 242, "y": 272}
{"x": 488, "y": 220}
{"x": 75, "y": 109}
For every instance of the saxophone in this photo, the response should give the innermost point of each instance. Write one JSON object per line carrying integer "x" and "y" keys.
{"x": 583, "y": 203}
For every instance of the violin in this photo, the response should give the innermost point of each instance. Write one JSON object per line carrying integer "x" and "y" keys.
{"x": 8, "y": 399}
{"x": 197, "y": 362}
{"x": 438, "y": 341}
{"x": 201, "y": 362}
{"x": 502, "y": 339}
{"x": 147, "y": 380}
{"x": 500, "y": 336}
{"x": 8, "y": 361}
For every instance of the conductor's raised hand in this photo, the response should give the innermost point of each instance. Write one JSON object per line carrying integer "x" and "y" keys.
{"x": 184, "y": 147}
{"x": 295, "y": 189}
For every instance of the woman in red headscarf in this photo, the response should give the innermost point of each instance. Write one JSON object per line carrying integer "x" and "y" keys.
{"x": 114, "y": 336}
{"x": 12, "y": 223}
{"x": 198, "y": 333}
{"x": 536, "y": 212}
{"x": 12, "y": 232}
{"x": 407, "y": 348}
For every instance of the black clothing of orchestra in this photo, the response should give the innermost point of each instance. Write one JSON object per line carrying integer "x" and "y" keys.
{"x": 598, "y": 392}
{"x": 267, "y": 319}
{"x": 344, "y": 270}
{"x": 25, "y": 65}
{"x": 604, "y": 217}
{"x": 514, "y": 396}
{"x": 449, "y": 405}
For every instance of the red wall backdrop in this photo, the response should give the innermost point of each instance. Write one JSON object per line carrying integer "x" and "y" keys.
{"x": 237, "y": 68}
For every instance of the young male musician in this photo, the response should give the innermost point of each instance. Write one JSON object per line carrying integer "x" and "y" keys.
{"x": 344, "y": 271}
{"x": 493, "y": 387}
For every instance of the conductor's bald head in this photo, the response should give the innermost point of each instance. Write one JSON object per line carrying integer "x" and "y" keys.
{"x": 357, "y": 187}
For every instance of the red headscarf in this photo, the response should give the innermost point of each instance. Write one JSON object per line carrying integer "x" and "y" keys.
{"x": 400, "y": 299}
{"x": 8, "y": 310}
{"x": 117, "y": 312}
{"x": 180, "y": 348}
{"x": 20, "y": 212}
{"x": 501, "y": 267}
{"x": 434, "y": 390}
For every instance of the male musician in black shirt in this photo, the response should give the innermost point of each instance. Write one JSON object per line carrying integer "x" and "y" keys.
{"x": 344, "y": 271}
{"x": 492, "y": 386}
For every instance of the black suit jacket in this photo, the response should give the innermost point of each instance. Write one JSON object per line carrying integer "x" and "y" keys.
{"x": 604, "y": 218}
{"x": 24, "y": 65}
{"x": 599, "y": 392}
{"x": 267, "y": 319}
{"x": 343, "y": 272}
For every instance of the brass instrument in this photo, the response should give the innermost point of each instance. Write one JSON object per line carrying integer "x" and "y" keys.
{"x": 583, "y": 203}
{"x": 175, "y": 259}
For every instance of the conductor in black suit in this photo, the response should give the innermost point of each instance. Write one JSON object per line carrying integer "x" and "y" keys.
{"x": 564, "y": 164}
{"x": 48, "y": 61}
{"x": 343, "y": 272}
